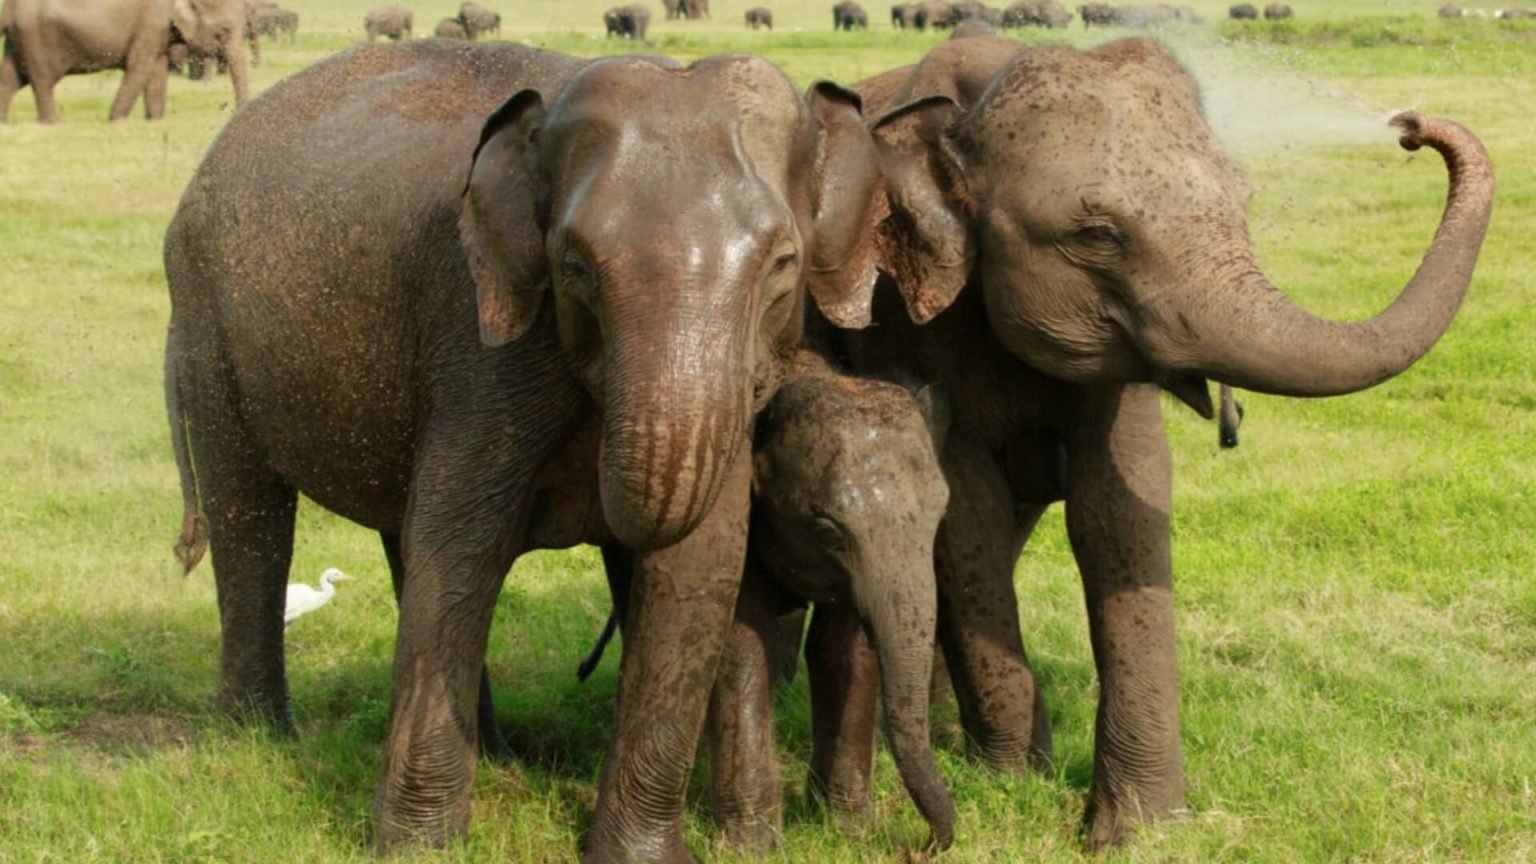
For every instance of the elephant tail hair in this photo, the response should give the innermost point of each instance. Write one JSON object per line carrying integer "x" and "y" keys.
{"x": 193, "y": 542}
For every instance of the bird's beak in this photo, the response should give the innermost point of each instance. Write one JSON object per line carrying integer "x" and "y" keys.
{"x": 342, "y": 577}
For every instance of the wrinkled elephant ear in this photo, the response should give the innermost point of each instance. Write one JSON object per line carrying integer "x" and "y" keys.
{"x": 926, "y": 243}
{"x": 843, "y": 269}
{"x": 498, "y": 221}
{"x": 184, "y": 17}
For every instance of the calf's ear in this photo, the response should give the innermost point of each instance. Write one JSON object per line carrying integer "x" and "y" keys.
{"x": 926, "y": 243}
{"x": 500, "y": 224}
{"x": 842, "y": 271}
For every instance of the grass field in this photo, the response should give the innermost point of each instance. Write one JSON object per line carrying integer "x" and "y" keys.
{"x": 1356, "y": 595}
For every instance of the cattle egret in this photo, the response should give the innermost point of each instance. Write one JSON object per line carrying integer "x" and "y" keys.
{"x": 303, "y": 599}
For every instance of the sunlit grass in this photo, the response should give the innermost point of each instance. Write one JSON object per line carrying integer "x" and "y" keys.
{"x": 1357, "y": 613}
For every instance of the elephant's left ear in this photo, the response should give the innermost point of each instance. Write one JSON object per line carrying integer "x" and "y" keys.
{"x": 843, "y": 269}
{"x": 499, "y": 224}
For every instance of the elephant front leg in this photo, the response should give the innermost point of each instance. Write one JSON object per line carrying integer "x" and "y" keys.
{"x": 680, "y": 607}
{"x": 1000, "y": 703}
{"x": 844, "y": 673}
{"x": 744, "y": 769}
{"x": 1118, "y": 506}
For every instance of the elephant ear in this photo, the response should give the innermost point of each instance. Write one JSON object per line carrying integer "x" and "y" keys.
{"x": 926, "y": 243}
{"x": 843, "y": 268}
{"x": 184, "y": 16}
{"x": 499, "y": 224}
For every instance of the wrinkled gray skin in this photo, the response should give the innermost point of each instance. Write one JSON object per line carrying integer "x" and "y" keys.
{"x": 478, "y": 20}
{"x": 48, "y": 39}
{"x": 391, "y": 22}
{"x": 521, "y": 364}
{"x": 759, "y": 16}
{"x": 450, "y": 28}
{"x": 1065, "y": 238}
{"x": 847, "y": 497}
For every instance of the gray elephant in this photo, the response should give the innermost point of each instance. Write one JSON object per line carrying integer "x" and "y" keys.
{"x": 1278, "y": 12}
{"x": 521, "y": 363}
{"x": 848, "y": 15}
{"x": 1243, "y": 12}
{"x": 1036, "y": 13}
{"x": 970, "y": 10}
{"x": 760, "y": 16}
{"x": 1053, "y": 288}
{"x": 46, "y": 40}
{"x": 1097, "y": 14}
{"x": 391, "y": 22}
{"x": 934, "y": 13}
{"x": 846, "y": 499}
{"x": 695, "y": 8}
{"x": 450, "y": 28}
{"x": 478, "y": 20}
{"x": 673, "y": 8}
{"x": 629, "y": 22}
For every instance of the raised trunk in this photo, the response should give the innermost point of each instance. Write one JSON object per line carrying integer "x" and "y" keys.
{"x": 1257, "y": 339}
{"x": 675, "y": 418}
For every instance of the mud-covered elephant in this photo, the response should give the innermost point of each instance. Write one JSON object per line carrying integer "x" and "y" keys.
{"x": 847, "y": 15}
{"x": 391, "y": 22}
{"x": 453, "y": 321}
{"x": 1056, "y": 253}
{"x": 478, "y": 20}
{"x": 46, "y": 40}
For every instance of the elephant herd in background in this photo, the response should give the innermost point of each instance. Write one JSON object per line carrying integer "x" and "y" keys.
{"x": 629, "y": 306}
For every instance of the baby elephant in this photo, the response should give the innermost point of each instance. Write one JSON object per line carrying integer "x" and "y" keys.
{"x": 847, "y": 498}
{"x": 846, "y": 502}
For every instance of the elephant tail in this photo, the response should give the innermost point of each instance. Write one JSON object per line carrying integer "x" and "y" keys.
{"x": 595, "y": 656}
{"x": 193, "y": 542}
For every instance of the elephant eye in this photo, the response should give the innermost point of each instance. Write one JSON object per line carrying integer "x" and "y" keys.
{"x": 1098, "y": 234}
{"x": 784, "y": 262}
{"x": 825, "y": 530}
{"x": 575, "y": 271}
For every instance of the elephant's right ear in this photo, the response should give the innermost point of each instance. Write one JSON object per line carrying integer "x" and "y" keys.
{"x": 926, "y": 243}
{"x": 500, "y": 225}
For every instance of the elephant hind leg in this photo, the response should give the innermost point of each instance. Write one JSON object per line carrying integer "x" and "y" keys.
{"x": 12, "y": 79}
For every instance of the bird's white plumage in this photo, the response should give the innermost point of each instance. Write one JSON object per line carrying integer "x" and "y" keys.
{"x": 302, "y": 599}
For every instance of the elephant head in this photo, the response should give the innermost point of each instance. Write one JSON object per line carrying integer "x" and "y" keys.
{"x": 1106, "y": 227}
{"x": 215, "y": 27}
{"x": 675, "y": 219}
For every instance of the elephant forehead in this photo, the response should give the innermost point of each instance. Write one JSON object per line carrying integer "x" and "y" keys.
{"x": 769, "y": 111}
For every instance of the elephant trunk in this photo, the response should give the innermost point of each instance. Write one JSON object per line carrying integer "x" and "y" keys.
{"x": 675, "y": 417}
{"x": 902, "y": 623}
{"x": 1257, "y": 339}
{"x": 234, "y": 50}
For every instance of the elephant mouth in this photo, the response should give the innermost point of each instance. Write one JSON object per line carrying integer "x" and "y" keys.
{"x": 1192, "y": 390}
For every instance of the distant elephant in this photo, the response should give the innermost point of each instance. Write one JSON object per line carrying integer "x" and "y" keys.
{"x": 1451, "y": 10}
{"x": 562, "y": 311}
{"x": 848, "y": 15}
{"x": 478, "y": 20}
{"x": 971, "y": 28}
{"x": 48, "y": 39}
{"x": 1097, "y": 14}
{"x": 673, "y": 8}
{"x": 933, "y": 13}
{"x": 970, "y": 10}
{"x": 1516, "y": 14}
{"x": 1244, "y": 12}
{"x": 1052, "y": 289}
{"x": 696, "y": 8}
{"x": 1036, "y": 13}
{"x": 450, "y": 28}
{"x": 1277, "y": 12}
{"x": 846, "y": 499}
{"x": 629, "y": 22}
{"x": 391, "y": 22}
{"x": 760, "y": 16}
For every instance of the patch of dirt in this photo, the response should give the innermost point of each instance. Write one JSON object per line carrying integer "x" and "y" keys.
{"x": 136, "y": 734}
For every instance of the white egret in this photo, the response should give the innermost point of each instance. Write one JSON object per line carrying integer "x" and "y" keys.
{"x": 303, "y": 599}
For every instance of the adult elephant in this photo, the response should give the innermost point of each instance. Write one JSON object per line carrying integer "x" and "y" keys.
{"x": 1057, "y": 252}
{"x": 391, "y": 22}
{"x": 46, "y": 40}
{"x": 848, "y": 15}
{"x": 478, "y": 20}
{"x": 759, "y": 16}
{"x": 523, "y": 364}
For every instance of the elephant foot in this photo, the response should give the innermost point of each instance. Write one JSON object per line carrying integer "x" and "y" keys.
{"x": 1107, "y": 824}
{"x": 274, "y": 714}
{"x": 611, "y": 847}
{"x": 759, "y": 835}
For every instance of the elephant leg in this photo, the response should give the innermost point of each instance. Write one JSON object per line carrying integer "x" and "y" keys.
{"x": 680, "y": 608}
{"x": 493, "y": 745}
{"x": 135, "y": 79}
{"x": 42, "y": 91}
{"x": 11, "y": 80}
{"x": 744, "y": 769}
{"x": 154, "y": 90}
{"x": 977, "y": 547}
{"x": 250, "y": 513}
{"x": 845, "y": 676}
{"x": 1120, "y": 481}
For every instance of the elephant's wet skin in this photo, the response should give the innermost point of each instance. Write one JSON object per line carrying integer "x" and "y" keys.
{"x": 334, "y": 341}
{"x": 1071, "y": 237}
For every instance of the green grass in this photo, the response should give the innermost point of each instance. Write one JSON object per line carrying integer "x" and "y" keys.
{"x": 1357, "y": 613}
